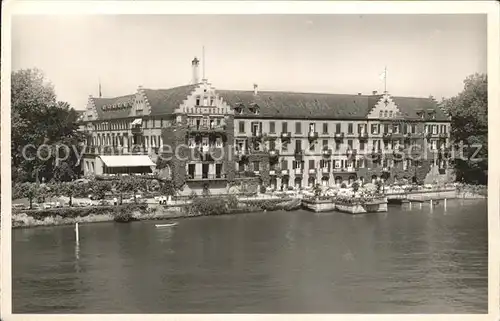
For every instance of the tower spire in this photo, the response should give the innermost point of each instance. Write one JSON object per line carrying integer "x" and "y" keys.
{"x": 100, "y": 93}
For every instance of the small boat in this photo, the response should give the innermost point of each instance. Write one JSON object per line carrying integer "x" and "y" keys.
{"x": 166, "y": 225}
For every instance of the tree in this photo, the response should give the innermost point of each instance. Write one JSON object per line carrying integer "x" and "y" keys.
{"x": 99, "y": 188}
{"x": 28, "y": 190}
{"x": 131, "y": 184}
{"x": 39, "y": 120}
{"x": 469, "y": 126}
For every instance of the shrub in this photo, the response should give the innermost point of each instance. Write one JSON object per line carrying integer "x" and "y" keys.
{"x": 262, "y": 189}
{"x": 74, "y": 212}
{"x": 208, "y": 206}
{"x": 343, "y": 185}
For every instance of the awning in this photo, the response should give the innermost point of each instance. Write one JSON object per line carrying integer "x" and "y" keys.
{"x": 127, "y": 161}
{"x": 137, "y": 121}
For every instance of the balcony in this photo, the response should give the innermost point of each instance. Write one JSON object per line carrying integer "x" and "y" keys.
{"x": 338, "y": 136}
{"x": 344, "y": 170}
{"x": 408, "y": 136}
{"x": 285, "y": 172}
{"x": 299, "y": 154}
{"x": 443, "y": 135}
{"x": 397, "y": 135}
{"x": 327, "y": 152}
{"x": 387, "y": 136}
{"x": 205, "y": 177}
{"x": 206, "y": 129}
{"x": 313, "y": 135}
{"x": 136, "y": 129}
{"x": 298, "y": 171}
{"x": 272, "y": 172}
{"x": 241, "y": 154}
{"x": 312, "y": 171}
{"x": 363, "y": 136}
{"x": 286, "y": 136}
{"x": 325, "y": 171}
{"x": 273, "y": 153}
{"x": 428, "y": 135}
{"x": 351, "y": 152}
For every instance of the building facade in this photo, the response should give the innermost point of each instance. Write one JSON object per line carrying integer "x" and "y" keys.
{"x": 202, "y": 137}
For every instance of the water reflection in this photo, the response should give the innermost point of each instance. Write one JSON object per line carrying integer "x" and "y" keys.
{"x": 406, "y": 260}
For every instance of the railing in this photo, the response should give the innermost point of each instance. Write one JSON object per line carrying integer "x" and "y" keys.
{"x": 298, "y": 153}
{"x": 327, "y": 152}
{"x": 387, "y": 136}
{"x": 273, "y": 153}
{"x": 443, "y": 135}
{"x": 312, "y": 171}
{"x": 205, "y": 176}
{"x": 338, "y": 136}
{"x": 325, "y": 170}
{"x": 136, "y": 129}
{"x": 272, "y": 172}
{"x": 313, "y": 135}
{"x": 363, "y": 135}
{"x": 215, "y": 128}
{"x": 285, "y": 172}
{"x": 298, "y": 171}
{"x": 286, "y": 135}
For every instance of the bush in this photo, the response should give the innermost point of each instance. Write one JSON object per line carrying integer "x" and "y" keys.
{"x": 73, "y": 212}
{"x": 262, "y": 189}
{"x": 343, "y": 185}
{"x": 208, "y": 206}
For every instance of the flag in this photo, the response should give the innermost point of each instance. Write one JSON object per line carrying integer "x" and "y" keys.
{"x": 383, "y": 75}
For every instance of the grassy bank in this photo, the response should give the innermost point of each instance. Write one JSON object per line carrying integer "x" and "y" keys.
{"x": 138, "y": 212}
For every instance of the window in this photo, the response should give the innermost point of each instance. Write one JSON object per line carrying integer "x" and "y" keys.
{"x": 284, "y": 164}
{"x": 198, "y": 101}
{"x": 311, "y": 164}
{"x": 284, "y": 146}
{"x": 381, "y": 114}
{"x": 337, "y": 128}
{"x": 325, "y": 128}
{"x": 349, "y": 143}
{"x": 395, "y": 128}
{"x": 361, "y": 145}
{"x": 337, "y": 146}
{"x": 256, "y": 166}
{"x": 312, "y": 146}
{"x": 444, "y": 129}
{"x": 390, "y": 113}
{"x": 385, "y": 113}
{"x": 211, "y": 101}
{"x": 349, "y": 128}
{"x": 386, "y": 128}
{"x": 434, "y": 129}
{"x": 145, "y": 124}
{"x": 298, "y": 128}
{"x": 298, "y": 145}
{"x": 241, "y": 126}
{"x": 272, "y": 127}
{"x": 374, "y": 129}
{"x": 413, "y": 129}
{"x": 205, "y": 101}
{"x": 284, "y": 127}
{"x": 325, "y": 142}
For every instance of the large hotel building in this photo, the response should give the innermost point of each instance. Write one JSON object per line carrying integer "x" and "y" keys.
{"x": 203, "y": 137}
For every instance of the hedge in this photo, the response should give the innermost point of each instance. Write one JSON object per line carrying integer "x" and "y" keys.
{"x": 72, "y": 212}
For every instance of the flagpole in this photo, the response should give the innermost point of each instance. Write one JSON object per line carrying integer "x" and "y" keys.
{"x": 385, "y": 79}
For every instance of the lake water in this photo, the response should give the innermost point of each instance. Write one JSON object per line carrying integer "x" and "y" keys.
{"x": 403, "y": 261}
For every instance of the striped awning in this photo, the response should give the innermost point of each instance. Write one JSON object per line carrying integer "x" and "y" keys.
{"x": 127, "y": 160}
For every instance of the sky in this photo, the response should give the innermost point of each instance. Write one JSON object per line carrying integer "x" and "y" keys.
{"x": 344, "y": 54}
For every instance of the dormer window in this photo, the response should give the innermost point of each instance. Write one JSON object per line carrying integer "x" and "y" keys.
{"x": 254, "y": 109}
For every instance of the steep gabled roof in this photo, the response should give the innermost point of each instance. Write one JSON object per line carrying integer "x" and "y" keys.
{"x": 410, "y": 105}
{"x": 276, "y": 104}
{"x": 114, "y": 113}
{"x": 165, "y": 101}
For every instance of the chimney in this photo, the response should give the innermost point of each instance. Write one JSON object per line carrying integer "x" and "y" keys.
{"x": 195, "y": 64}
{"x": 255, "y": 89}
{"x": 359, "y": 94}
{"x": 374, "y": 92}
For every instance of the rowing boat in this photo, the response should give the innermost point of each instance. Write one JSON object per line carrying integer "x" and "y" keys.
{"x": 166, "y": 225}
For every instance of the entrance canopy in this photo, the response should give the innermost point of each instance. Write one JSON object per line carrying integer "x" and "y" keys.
{"x": 127, "y": 161}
